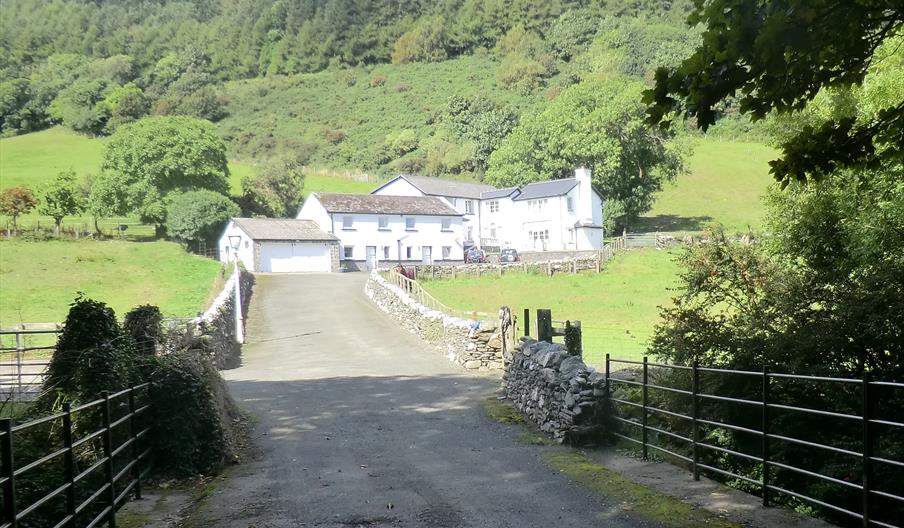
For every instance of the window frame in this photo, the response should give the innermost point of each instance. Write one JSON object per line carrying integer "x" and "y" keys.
{"x": 348, "y": 223}
{"x": 348, "y": 252}
{"x": 383, "y": 223}
{"x": 469, "y": 206}
{"x": 447, "y": 252}
{"x": 445, "y": 225}
{"x": 410, "y": 223}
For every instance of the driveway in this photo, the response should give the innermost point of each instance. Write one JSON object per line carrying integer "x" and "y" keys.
{"x": 359, "y": 423}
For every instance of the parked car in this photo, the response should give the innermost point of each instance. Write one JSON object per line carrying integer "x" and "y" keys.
{"x": 509, "y": 255}
{"x": 475, "y": 256}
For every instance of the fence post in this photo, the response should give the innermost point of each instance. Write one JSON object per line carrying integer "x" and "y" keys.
{"x": 136, "y": 469}
{"x": 643, "y": 418}
{"x": 608, "y": 394}
{"x": 108, "y": 462}
{"x": 695, "y": 434}
{"x": 765, "y": 429}
{"x": 867, "y": 450}
{"x": 69, "y": 459}
{"x": 20, "y": 349}
{"x": 544, "y": 325}
{"x": 527, "y": 322}
{"x": 9, "y": 486}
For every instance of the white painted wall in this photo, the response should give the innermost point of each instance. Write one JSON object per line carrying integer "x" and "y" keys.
{"x": 401, "y": 187}
{"x": 246, "y": 247}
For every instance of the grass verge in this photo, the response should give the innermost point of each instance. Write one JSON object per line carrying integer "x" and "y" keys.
{"x": 628, "y": 495}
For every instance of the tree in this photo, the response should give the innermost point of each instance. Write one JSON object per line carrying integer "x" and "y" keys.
{"x": 425, "y": 43}
{"x": 80, "y": 106}
{"x": 275, "y": 191}
{"x": 481, "y": 121}
{"x": 597, "y": 124}
{"x": 779, "y": 55}
{"x": 60, "y": 198}
{"x": 199, "y": 215}
{"x": 524, "y": 60}
{"x": 125, "y": 104}
{"x": 15, "y": 201}
{"x": 145, "y": 161}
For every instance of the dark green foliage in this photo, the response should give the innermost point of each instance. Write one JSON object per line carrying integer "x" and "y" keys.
{"x": 92, "y": 355}
{"x": 275, "y": 191}
{"x": 778, "y": 56}
{"x": 425, "y": 43}
{"x": 193, "y": 415}
{"x": 144, "y": 325}
{"x": 199, "y": 215}
{"x": 481, "y": 121}
{"x": 146, "y": 160}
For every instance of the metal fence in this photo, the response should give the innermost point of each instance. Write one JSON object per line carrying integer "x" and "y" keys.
{"x": 24, "y": 356}
{"x": 865, "y": 459}
{"x": 87, "y": 469}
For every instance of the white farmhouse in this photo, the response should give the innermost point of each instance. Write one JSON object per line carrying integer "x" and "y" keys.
{"x": 373, "y": 229}
{"x": 556, "y": 215}
{"x": 465, "y": 197}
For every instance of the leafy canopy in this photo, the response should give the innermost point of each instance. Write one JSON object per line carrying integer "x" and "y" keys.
{"x": 199, "y": 215}
{"x": 276, "y": 190}
{"x": 15, "y": 201}
{"x": 146, "y": 160}
{"x": 777, "y": 56}
{"x": 60, "y": 197}
{"x": 597, "y": 124}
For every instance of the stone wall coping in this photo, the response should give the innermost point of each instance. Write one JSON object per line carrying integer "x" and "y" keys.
{"x": 448, "y": 320}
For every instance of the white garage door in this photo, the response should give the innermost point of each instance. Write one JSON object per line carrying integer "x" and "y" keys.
{"x": 295, "y": 257}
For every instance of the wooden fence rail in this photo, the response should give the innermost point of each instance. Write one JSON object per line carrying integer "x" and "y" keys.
{"x": 102, "y": 465}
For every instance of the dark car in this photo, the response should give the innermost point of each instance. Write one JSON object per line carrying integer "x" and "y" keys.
{"x": 475, "y": 256}
{"x": 509, "y": 255}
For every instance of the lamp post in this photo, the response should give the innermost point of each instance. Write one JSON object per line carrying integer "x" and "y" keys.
{"x": 235, "y": 241}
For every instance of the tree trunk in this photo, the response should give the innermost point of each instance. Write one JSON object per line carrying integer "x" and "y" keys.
{"x": 159, "y": 231}
{"x": 97, "y": 228}
{"x": 57, "y": 224}
{"x": 15, "y": 226}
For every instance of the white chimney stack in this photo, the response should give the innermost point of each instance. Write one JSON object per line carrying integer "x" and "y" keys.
{"x": 584, "y": 207}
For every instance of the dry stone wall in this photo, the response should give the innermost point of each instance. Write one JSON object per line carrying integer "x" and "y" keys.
{"x": 479, "y": 350}
{"x": 213, "y": 332}
{"x": 558, "y": 392}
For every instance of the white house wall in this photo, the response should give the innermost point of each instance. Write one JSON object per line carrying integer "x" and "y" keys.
{"x": 365, "y": 231}
{"x": 246, "y": 247}
{"x": 402, "y": 187}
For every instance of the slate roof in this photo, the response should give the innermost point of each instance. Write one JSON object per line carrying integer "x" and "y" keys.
{"x": 282, "y": 229}
{"x": 443, "y": 187}
{"x": 382, "y": 204}
{"x": 546, "y": 189}
{"x": 499, "y": 193}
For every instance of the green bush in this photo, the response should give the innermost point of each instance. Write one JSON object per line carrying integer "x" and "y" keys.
{"x": 199, "y": 215}
{"x": 144, "y": 324}
{"x": 193, "y": 416}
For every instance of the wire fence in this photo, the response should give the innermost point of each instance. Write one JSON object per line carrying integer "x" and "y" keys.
{"x": 859, "y": 444}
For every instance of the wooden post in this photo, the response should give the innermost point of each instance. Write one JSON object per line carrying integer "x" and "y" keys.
{"x": 574, "y": 265}
{"x": 548, "y": 268}
{"x": 544, "y": 325}
{"x": 527, "y": 322}
{"x": 599, "y": 262}
{"x": 20, "y": 350}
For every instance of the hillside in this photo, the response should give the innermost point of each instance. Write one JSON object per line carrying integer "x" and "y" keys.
{"x": 342, "y": 118}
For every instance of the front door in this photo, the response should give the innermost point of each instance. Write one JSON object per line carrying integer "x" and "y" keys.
{"x": 426, "y": 257}
{"x": 371, "y": 257}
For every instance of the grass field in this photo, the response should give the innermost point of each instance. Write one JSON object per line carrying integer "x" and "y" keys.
{"x": 618, "y": 308}
{"x": 39, "y": 280}
{"x": 724, "y": 183}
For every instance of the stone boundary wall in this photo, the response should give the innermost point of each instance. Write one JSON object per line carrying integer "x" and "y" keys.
{"x": 558, "y": 392}
{"x": 213, "y": 332}
{"x": 551, "y": 267}
{"x": 480, "y": 351}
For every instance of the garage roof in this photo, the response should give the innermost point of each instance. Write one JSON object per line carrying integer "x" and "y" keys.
{"x": 383, "y": 204}
{"x": 282, "y": 229}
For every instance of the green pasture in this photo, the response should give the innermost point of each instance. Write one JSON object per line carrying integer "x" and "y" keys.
{"x": 618, "y": 307}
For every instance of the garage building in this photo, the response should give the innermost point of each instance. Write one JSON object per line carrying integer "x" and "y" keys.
{"x": 280, "y": 245}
